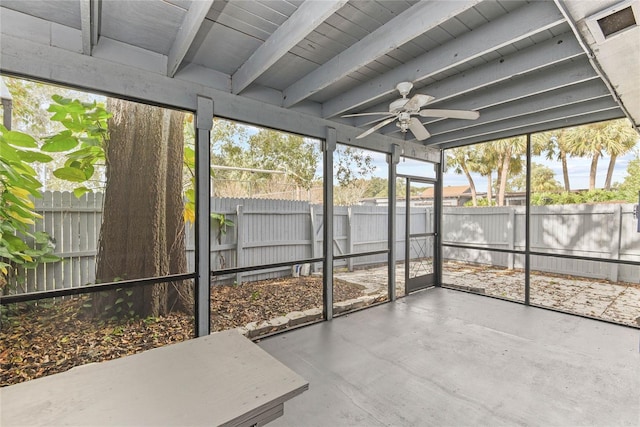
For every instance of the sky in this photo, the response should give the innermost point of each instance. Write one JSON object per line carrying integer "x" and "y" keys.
{"x": 578, "y": 171}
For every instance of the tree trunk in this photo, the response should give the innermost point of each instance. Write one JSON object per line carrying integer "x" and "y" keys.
{"x": 612, "y": 165}
{"x": 504, "y": 172}
{"x": 474, "y": 197}
{"x": 565, "y": 171}
{"x": 142, "y": 233}
{"x": 593, "y": 171}
{"x": 489, "y": 189}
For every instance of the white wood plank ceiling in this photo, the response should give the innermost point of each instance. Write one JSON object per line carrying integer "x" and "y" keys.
{"x": 526, "y": 66}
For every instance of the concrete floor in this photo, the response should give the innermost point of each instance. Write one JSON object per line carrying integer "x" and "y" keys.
{"x": 447, "y": 358}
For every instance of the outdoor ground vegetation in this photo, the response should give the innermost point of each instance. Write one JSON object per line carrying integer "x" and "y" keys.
{"x": 44, "y": 338}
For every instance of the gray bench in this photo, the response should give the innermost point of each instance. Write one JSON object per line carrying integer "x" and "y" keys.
{"x": 220, "y": 379}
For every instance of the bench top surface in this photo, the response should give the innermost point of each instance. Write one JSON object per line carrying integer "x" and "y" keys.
{"x": 219, "y": 379}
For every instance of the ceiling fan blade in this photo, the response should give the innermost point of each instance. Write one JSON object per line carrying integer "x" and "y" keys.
{"x": 386, "y": 113}
{"x": 450, "y": 114}
{"x": 376, "y": 127}
{"x": 417, "y": 101}
{"x": 419, "y": 131}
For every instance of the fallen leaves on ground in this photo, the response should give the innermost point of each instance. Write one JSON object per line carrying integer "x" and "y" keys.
{"x": 44, "y": 338}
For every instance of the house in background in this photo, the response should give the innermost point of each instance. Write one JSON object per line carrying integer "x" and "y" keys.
{"x": 452, "y": 195}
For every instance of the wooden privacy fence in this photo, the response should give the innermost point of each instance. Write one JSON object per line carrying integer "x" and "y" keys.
{"x": 74, "y": 225}
{"x": 271, "y": 231}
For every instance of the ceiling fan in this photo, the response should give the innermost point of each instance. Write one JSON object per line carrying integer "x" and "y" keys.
{"x": 405, "y": 109}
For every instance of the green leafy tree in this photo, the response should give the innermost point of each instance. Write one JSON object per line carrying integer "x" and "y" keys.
{"x": 542, "y": 180}
{"x": 352, "y": 167}
{"x": 275, "y": 158}
{"x": 351, "y": 164}
{"x": 377, "y": 187}
{"x": 289, "y": 159}
{"x": 631, "y": 185}
{"x": 296, "y": 156}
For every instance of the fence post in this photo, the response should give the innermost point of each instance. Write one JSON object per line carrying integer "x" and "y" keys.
{"x": 616, "y": 242}
{"x": 349, "y": 238}
{"x": 239, "y": 241}
{"x": 511, "y": 236}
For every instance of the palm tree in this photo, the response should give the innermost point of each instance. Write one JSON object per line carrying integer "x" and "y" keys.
{"x": 555, "y": 146}
{"x": 628, "y": 138}
{"x": 460, "y": 159}
{"x": 509, "y": 154}
{"x": 484, "y": 163}
{"x": 613, "y": 137}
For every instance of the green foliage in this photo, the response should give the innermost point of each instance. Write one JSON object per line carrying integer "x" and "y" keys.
{"x": 293, "y": 154}
{"x": 352, "y": 164}
{"x": 121, "y": 308}
{"x": 542, "y": 180}
{"x": 631, "y": 184}
{"x": 18, "y": 183}
{"x": 566, "y": 198}
{"x": 481, "y": 202}
{"x": 377, "y": 187}
{"x": 222, "y": 223}
{"x": 83, "y": 140}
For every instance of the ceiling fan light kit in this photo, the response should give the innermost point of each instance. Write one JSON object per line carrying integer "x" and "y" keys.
{"x": 403, "y": 110}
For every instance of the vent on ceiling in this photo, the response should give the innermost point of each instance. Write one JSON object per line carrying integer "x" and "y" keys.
{"x": 614, "y": 20}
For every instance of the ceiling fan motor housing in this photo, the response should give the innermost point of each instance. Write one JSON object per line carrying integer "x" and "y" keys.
{"x": 404, "y": 88}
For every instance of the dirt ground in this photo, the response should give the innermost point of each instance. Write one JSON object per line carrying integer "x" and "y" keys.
{"x": 45, "y": 338}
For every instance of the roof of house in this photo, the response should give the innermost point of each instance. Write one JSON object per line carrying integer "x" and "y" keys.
{"x": 449, "y": 191}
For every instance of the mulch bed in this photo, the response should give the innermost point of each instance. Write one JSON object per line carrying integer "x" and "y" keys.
{"x": 44, "y": 339}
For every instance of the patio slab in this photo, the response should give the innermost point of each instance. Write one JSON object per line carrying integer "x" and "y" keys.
{"x": 618, "y": 302}
{"x": 442, "y": 357}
